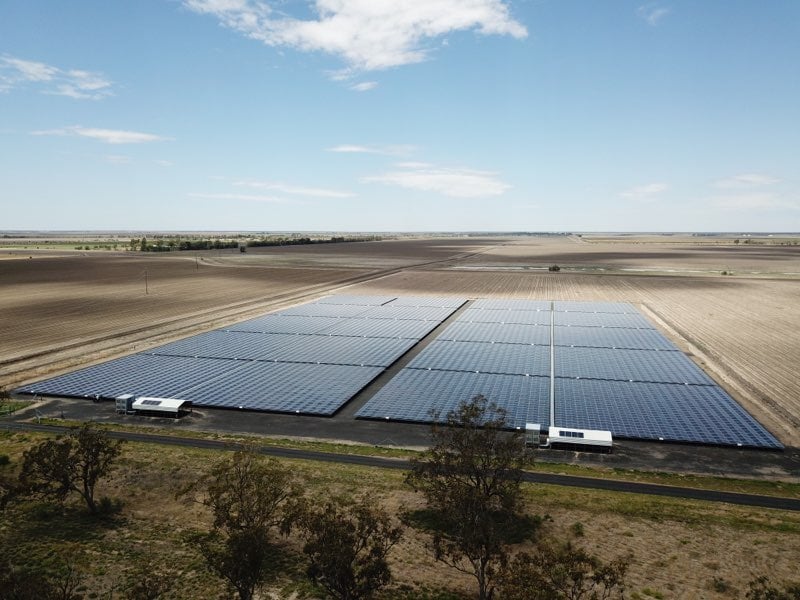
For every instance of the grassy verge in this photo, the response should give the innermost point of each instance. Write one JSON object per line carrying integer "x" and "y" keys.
{"x": 725, "y": 484}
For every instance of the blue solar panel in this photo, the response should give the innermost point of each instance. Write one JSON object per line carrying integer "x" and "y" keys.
{"x": 139, "y": 374}
{"x": 418, "y": 313}
{"x": 587, "y": 319}
{"x": 503, "y": 333}
{"x": 596, "y": 307}
{"x": 414, "y": 396}
{"x": 703, "y": 414}
{"x": 625, "y": 365}
{"x": 284, "y": 387}
{"x": 510, "y": 304}
{"x": 226, "y": 344}
{"x": 356, "y": 300}
{"x": 524, "y": 317}
{"x": 382, "y": 328}
{"x": 510, "y": 359}
{"x": 278, "y": 323}
{"x": 326, "y": 310}
{"x": 435, "y": 301}
{"x": 338, "y": 350}
{"x": 611, "y": 337}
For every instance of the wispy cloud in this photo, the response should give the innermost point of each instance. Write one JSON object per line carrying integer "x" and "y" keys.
{"x": 644, "y": 192}
{"x": 243, "y": 197}
{"x": 367, "y": 35}
{"x": 294, "y": 190}
{"x": 652, "y": 13}
{"x": 387, "y": 150}
{"x": 118, "y": 159}
{"x": 364, "y": 86}
{"x": 73, "y": 83}
{"x": 457, "y": 183}
{"x": 108, "y": 136}
{"x": 746, "y": 180}
{"x": 753, "y": 202}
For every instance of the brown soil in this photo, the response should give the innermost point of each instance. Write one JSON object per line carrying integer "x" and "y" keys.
{"x": 63, "y": 311}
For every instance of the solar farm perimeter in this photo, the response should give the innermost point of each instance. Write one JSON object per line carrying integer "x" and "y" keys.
{"x": 588, "y": 365}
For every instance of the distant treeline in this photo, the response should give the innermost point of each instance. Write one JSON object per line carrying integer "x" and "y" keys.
{"x": 173, "y": 244}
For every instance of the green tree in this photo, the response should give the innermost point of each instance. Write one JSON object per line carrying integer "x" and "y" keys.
{"x": 29, "y": 583}
{"x": 471, "y": 480}
{"x": 250, "y": 497}
{"x": 76, "y": 463}
{"x": 562, "y": 573}
{"x": 347, "y": 543}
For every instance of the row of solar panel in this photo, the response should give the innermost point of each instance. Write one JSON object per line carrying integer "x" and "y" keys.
{"x": 656, "y": 411}
{"x": 558, "y": 305}
{"x": 596, "y": 337}
{"x": 569, "y": 319}
{"x": 308, "y": 359}
{"x": 277, "y": 387}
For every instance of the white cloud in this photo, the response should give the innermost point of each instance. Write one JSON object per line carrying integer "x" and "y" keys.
{"x": 245, "y": 197}
{"x": 746, "y": 180}
{"x": 389, "y": 150}
{"x": 108, "y": 136}
{"x": 364, "y": 86}
{"x": 652, "y": 13}
{"x": 295, "y": 190}
{"x": 753, "y": 202}
{"x": 367, "y": 35}
{"x": 73, "y": 83}
{"x": 644, "y": 192}
{"x": 457, "y": 183}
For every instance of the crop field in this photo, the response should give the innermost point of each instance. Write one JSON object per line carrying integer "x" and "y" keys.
{"x": 63, "y": 311}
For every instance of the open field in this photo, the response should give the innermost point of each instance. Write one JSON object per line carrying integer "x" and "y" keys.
{"x": 59, "y": 312}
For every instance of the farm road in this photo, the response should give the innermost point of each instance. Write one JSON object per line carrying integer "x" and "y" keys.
{"x": 390, "y": 463}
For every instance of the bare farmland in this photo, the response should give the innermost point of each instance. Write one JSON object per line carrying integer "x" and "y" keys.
{"x": 58, "y": 312}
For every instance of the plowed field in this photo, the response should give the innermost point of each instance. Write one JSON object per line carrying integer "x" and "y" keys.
{"x": 57, "y": 312}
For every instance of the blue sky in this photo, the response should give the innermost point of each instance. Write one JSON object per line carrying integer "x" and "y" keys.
{"x": 383, "y": 115}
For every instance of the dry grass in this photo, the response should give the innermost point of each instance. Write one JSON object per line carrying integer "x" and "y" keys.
{"x": 679, "y": 547}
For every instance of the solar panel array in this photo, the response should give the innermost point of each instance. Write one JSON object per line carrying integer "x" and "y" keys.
{"x": 612, "y": 371}
{"x": 422, "y": 396}
{"x": 308, "y": 359}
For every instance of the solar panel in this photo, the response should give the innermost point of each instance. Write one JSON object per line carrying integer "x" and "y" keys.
{"x": 356, "y": 300}
{"x": 434, "y": 301}
{"x": 340, "y": 350}
{"x": 624, "y": 365}
{"x": 510, "y": 304}
{"x": 589, "y": 319}
{"x": 611, "y": 337}
{"x": 326, "y": 310}
{"x": 596, "y": 307}
{"x": 503, "y": 333}
{"x": 279, "y": 323}
{"x": 415, "y": 396}
{"x": 511, "y": 359}
{"x": 524, "y": 317}
{"x": 382, "y": 328}
{"x": 702, "y": 414}
{"x": 284, "y": 387}
{"x": 225, "y": 344}
{"x": 138, "y": 374}
{"x": 418, "y": 313}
